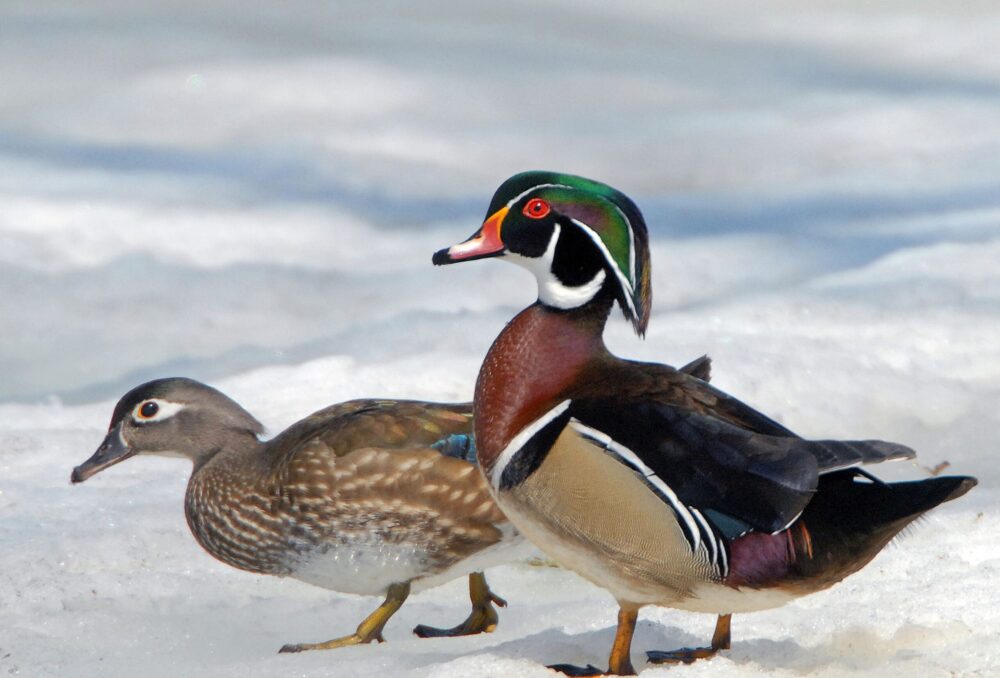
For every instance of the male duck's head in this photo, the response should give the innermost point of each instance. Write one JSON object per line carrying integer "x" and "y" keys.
{"x": 170, "y": 417}
{"x": 578, "y": 236}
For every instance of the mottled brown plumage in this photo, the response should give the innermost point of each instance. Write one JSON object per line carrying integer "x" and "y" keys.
{"x": 367, "y": 497}
{"x": 363, "y": 469}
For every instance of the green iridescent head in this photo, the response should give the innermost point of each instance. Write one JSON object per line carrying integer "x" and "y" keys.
{"x": 575, "y": 234}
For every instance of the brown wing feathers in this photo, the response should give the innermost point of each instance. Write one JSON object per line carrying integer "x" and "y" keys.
{"x": 415, "y": 495}
{"x": 367, "y": 466}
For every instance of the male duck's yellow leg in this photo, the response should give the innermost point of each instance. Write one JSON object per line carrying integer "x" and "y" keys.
{"x": 620, "y": 662}
{"x": 721, "y": 640}
{"x": 368, "y": 630}
{"x": 482, "y": 619}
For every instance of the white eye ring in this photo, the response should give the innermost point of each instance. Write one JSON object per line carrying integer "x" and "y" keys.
{"x": 156, "y": 409}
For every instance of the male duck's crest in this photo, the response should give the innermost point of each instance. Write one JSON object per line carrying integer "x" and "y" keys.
{"x": 575, "y": 234}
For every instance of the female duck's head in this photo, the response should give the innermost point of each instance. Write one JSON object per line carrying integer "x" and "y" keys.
{"x": 577, "y": 236}
{"x": 173, "y": 417}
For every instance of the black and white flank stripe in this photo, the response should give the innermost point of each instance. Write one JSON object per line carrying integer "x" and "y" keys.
{"x": 705, "y": 543}
{"x": 527, "y": 450}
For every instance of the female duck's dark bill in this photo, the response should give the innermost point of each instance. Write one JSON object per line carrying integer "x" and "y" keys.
{"x": 484, "y": 243}
{"x": 111, "y": 451}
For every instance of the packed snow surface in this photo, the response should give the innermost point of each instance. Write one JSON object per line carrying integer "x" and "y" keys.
{"x": 249, "y": 194}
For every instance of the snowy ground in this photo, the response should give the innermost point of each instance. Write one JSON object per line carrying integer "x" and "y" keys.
{"x": 250, "y": 194}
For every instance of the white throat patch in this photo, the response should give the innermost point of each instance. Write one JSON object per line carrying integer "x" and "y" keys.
{"x": 551, "y": 291}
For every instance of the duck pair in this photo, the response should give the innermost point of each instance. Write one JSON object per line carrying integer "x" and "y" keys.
{"x": 642, "y": 478}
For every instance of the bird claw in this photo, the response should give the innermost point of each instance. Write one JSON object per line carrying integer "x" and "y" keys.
{"x": 346, "y": 641}
{"x": 481, "y": 620}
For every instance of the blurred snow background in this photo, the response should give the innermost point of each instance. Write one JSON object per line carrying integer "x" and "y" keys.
{"x": 249, "y": 194}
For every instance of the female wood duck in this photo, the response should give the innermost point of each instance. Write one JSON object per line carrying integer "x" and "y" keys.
{"x": 645, "y": 480}
{"x": 368, "y": 497}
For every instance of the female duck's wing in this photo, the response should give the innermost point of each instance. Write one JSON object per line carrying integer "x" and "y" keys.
{"x": 384, "y": 470}
{"x": 385, "y": 424}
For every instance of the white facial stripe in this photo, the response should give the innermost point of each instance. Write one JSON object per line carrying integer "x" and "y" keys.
{"x": 593, "y": 234}
{"x": 165, "y": 410}
{"x": 510, "y": 203}
{"x": 625, "y": 283}
{"x": 622, "y": 278}
{"x": 521, "y": 439}
{"x": 631, "y": 242}
{"x": 551, "y": 291}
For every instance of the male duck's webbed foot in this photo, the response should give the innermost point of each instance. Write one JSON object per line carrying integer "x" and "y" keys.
{"x": 368, "y": 630}
{"x": 570, "y": 670}
{"x": 620, "y": 662}
{"x": 482, "y": 619}
{"x": 721, "y": 640}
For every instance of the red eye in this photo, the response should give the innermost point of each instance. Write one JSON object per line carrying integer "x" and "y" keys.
{"x": 536, "y": 208}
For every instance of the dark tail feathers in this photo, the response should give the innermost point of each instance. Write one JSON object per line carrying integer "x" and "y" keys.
{"x": 851, "y": 519}
{"x": 836, "y": 455}
{"x": 859, "y": 503}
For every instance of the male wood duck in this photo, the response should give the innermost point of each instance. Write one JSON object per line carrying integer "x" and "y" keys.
{"x": 374, "y": 497}
{"x": 643, "y": 479}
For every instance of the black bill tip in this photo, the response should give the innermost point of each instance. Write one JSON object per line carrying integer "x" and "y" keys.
{"x": 442, "y": 257}
{"x": 78, "y": 476}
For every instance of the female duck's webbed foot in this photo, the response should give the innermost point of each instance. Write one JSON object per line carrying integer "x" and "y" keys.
{"x": 620, "y": 662}
{"x": 721, "y": 640}
{"x": 482, "y": 619}
{"x": 368, "y": 630}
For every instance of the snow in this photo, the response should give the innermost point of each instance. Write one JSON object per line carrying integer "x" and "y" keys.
{"x": 250, "y": 195}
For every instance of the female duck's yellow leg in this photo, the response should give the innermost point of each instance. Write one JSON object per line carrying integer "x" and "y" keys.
{"x": 482, "y": 619}
{"x": 721, "y": 640}
{"x": 368, "y": 630}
